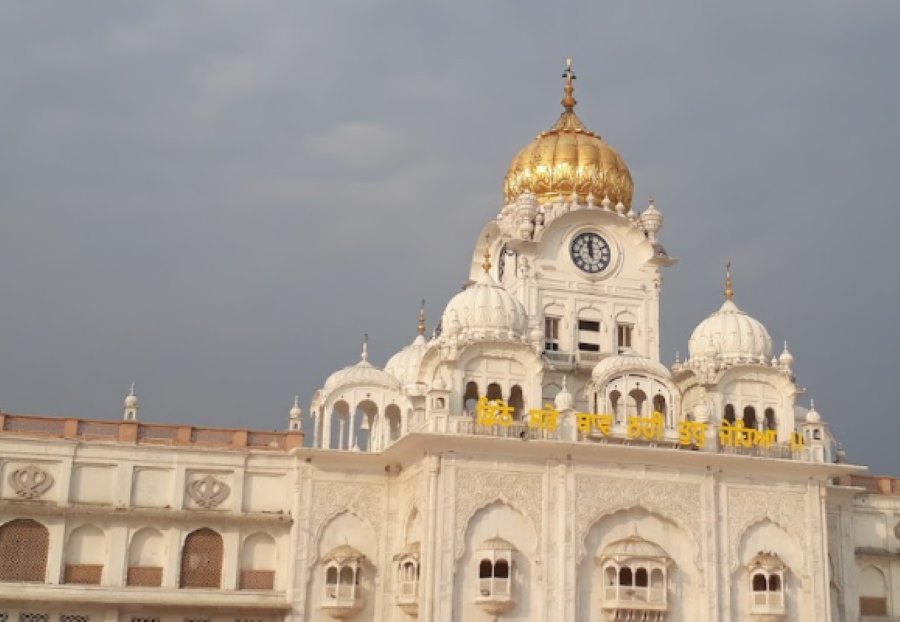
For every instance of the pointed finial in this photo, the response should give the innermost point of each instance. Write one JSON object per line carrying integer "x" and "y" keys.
{"x": 296, "y": 401}
{"x": 568, "y": 101}
{"x": 487, "y": 254}
{"x": 131, "y": 391}
{"x": 421, "y": 326}
{"x": 564, "y": 383}
{"x": 729, "y": 285}
{"x": 812, "y": 404}
{"x": 365, "y": 350}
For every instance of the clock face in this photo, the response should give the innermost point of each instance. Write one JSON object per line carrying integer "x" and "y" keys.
{"x": 590, "y": 252}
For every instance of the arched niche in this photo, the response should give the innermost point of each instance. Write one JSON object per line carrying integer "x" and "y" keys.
{"x": 498, "y": 519}
{"x": 85, "y": 555}
{"x": 24, "y": 544}
{"x": 682, "y": 576}
{"x": 344, "y": 529}
{"x": 259, "y": 561}
{"x": 762, "y": 539}
{"x": 146, "y": 558}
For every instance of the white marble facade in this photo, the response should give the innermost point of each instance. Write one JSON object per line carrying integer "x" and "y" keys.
{"x": 532, "y": 459}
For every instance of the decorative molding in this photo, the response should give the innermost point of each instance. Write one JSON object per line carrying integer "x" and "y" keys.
{"x": 476, "y": 489}
{"x": 748, "y": 506}
{"x": 330, "y": 498}
{"x": 208, "y": 492}
{"x": 596, "y": 497}
{"x": 30, "y": 482}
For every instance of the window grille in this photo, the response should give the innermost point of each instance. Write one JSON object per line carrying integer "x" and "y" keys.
{"x": 34, "y": 617}
{"x": 23, "y": 551}
{"x": 872, "y": 606}
{"x": 144, "y": 576}
{"x": 74, "y": 618}
{"x": 201, "y": 560}
{"x": 84, "y": 574}
{"x": 196, "y": 620}
{"x": 139, "y": 619}
{"x": 257, "y": 579}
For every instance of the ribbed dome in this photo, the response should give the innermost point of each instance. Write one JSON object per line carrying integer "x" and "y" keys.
{"x": 404, "y": 365}
{"x": 363, "y": 373}
{"x": 343, "y": 553}
{"x": 497, "y": 544}
{"x": 731, "y": 336}
{"x": 628, "y": 362}
{"x": 634, "y": 546}
{"x": 568, "y": 158}
{"x": 485, "y": 310}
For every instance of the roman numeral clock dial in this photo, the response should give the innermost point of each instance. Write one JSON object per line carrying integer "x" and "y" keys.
{"x": 590, "y": 252}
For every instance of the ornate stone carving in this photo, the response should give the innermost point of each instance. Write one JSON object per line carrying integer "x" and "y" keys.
{"x": 478, "y": 488}
{"x": 208, "y": 492}
{"x": 331, "y": 498}
{"x": 598, "y": 496}
{"x": 30, "y": 482}
{"x": 747, "y": 506}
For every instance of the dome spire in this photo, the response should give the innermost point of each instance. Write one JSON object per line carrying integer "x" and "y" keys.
{"x": 365, "y": 351}
{"x": 421, "y": 326}
{"x": 568, "y": 101}
{"x": 729, "y": 285}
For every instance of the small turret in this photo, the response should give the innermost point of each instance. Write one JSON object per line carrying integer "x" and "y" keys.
{"x": 131, "y": 406}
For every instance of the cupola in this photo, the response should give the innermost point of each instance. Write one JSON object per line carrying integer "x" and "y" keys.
{"x": 569, "y": 159}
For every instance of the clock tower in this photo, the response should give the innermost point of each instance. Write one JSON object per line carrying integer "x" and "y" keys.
{"x": 570, "y": 247}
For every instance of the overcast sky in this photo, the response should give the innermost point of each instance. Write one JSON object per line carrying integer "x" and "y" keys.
{"x": 216, "y": 199}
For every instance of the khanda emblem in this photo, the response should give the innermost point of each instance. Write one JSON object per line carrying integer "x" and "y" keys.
{"x": 30, "y": 482}
{"x": 208, "y": 492}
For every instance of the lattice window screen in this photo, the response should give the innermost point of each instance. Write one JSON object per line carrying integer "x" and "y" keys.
{"x": 23, "y": 551}
{"x": 138, "y": 619}
{"x": 67, "y": 617}
{"x": 196, "y": 620}
{"x": 34, "y": 617}
{"x": 201, "y": 560}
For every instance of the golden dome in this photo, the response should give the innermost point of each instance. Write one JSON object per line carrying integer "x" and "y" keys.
{"x": 569, "y": 158}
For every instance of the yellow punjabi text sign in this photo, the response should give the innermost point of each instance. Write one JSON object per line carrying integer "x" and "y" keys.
{"x": 652, "y": 428}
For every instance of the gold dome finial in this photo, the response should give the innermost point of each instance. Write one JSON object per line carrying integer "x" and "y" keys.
{"x": 421, "y": 327}
{"x": 729, "y": 285}
{"x": 568, "y": 101}
{"x": 486, "y": 264}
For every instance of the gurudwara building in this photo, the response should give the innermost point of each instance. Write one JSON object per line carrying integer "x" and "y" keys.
{"x": 532, "y": 459}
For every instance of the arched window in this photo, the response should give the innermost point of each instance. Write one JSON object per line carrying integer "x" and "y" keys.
{"x": 501, "y": 569}
{"x": 392, "y": 415}
{"x": 470, "y": 398}
{"x": 729, "y": 414}
{"x": 760, "y": 584}
{"x": 625, "y": 577}
{"x": 201, "y": 560}
{"x": 517, "y": 402}
{"x": 771, "y": 424}
{"x": 23, "y": 551}
{"x": 659, "y": 404}
{"x": 258, "y": 563}
{"x": 494, "y": 392}
{"x": 636, "y": 401}
{"x": 750, "y": 417}
{"x": 485, "y": 569}
{"x": 615, "y": 404}
{"x": 641, "y": 578}
{"x": 146, "y": 557}
{"x": 331, "y": 575}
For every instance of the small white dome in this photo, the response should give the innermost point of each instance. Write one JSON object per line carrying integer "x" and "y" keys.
{"x": 131, "y": 400}
{"x": 485, "y": 310}
{"x": 363, "y": 373}
{"x": 296, "y": 412}
{"x": 812, "y": 415}
{"x": 564, "y": 399}
{"x": 627, "y": 362}
{"x": 786, "y": 359}
{"x": 404, "y": 365}
{"x": 343, "y": 553}
{"x": 497, "y": 544}
{"x": 732, "y": 336}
